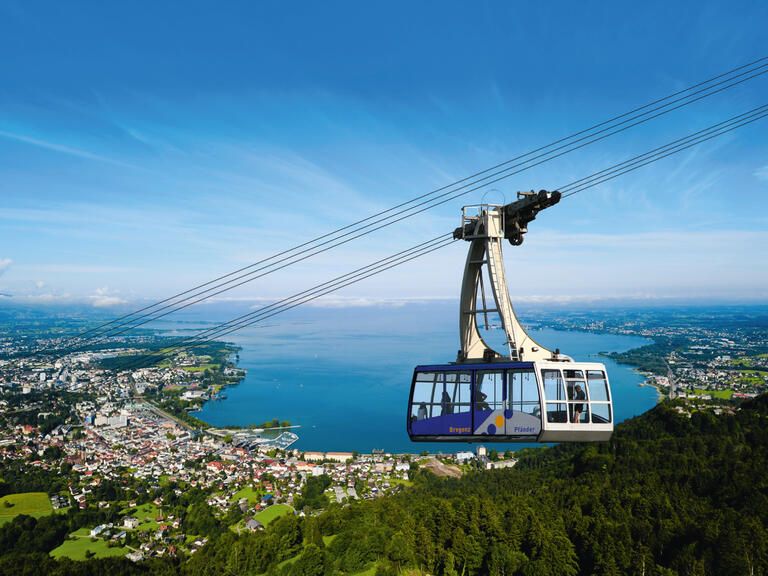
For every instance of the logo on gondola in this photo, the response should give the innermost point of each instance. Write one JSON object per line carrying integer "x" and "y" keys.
{"x": 453, "y": 430}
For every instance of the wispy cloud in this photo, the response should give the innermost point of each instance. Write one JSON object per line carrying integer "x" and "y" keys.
{"x": 78, "y": 269}
{"x": 762, "y": 173}
{"x": 587, "y": 298}
{"x": 62, "y": 148}
{"x": 371, "y": 302}
{"x": 656, "y": 242}
{"x": 48, "y": 298}
{"x": 4, "y": 264}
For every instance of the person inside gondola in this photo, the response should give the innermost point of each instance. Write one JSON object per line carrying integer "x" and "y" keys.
{"x": 422, "y": 413}
{"x": 480, "y": 396}
{"x": 578, "y": 408}
{"x": 445, "y": 404}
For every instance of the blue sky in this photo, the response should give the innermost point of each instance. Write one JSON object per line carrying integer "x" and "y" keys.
{"x": 146, "y": 147}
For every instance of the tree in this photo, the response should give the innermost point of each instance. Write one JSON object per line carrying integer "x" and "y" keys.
{"x": 312, "y": 562}
{"x": 399, "y": 550}
{"x": 504, "y": 560}
{"x": 313, "y": 494}
{"x": 200, "y": 520}
{"x": 312, "y": 533}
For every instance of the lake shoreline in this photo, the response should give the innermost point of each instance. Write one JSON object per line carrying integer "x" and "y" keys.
{"x": 343, "y": 407}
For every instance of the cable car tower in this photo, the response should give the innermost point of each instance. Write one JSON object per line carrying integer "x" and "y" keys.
{"x": 528, "y": 393}
{"x": 485, "y": 232}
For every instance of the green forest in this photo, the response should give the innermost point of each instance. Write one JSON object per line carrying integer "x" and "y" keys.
{"x": 675, "y": 492}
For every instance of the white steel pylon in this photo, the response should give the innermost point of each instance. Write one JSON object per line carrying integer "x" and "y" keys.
{"x": 485, "y": 232}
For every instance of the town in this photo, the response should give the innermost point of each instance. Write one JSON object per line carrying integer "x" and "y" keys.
{"x": 692, "y": 354}
{"x": 126, "y": 446}
{"x": 113, "y": 430}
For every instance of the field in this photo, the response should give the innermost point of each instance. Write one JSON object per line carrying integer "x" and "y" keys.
{"x": 146, "y": 514}
{"x": 721, "y": 394}
{"x": 753, "y": 377}
{"x": 248, "y": 492}
{"x": 201, "y": 368}
{"x": 400, "y": 481}
{"x": 288, "y": 561}
{"x": 747, "y": 361}
{"x": 328, "y": 539}
{"x": 35, "y": 504}
{"x": 371, "y": 571}
{"x": 77, "y": 548}
{"x": 273, "y": 512}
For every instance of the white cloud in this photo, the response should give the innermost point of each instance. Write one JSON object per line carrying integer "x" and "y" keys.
{"x": 4, "y": 264}
{"x": 667, "y": 263}
{"x": 106, "y": 301}
{"x": 103, "y": 298}
{"x": 658, "y": 241}
{"x": 39, "y": 284}
{"x": 762, "y": 173}
{"x": 368, "y": 302}
{"x": 78, "y": 269}
{"x": 48, "y": 298}
{"x": 587, "y": 298}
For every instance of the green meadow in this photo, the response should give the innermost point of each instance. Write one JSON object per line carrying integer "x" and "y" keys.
{"x": 35, "y": 504}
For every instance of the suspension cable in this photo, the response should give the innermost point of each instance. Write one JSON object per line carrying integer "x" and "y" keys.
{"x": 439, "y": 242}
{"x": 304, "y": 296}
{"x": 470, "y": 184}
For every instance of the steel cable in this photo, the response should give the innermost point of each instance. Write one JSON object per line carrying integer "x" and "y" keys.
{"x": 130, "y": 321}
{"x": 570, "y": 189}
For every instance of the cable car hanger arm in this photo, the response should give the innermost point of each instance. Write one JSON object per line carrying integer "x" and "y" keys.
{"x": 516, "y": 216}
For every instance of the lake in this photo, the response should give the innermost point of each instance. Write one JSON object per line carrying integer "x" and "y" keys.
{"x": 343, "y": 374}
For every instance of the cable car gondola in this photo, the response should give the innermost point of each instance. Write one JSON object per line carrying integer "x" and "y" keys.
{"x": 531, "y": 394}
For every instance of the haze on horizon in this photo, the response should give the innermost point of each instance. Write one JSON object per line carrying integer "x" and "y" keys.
{"x": 144, "y": 151}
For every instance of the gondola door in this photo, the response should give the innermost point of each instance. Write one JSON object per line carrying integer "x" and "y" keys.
{"x": 523, "y": 413}
{"x": 489, "y": 402}
{"x": 506, "y": 403}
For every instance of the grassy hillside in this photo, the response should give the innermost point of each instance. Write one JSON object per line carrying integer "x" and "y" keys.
{"x": 272, "y": 513}
{"x": 82, "y": 548}
{"x": 34, "y": 504}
